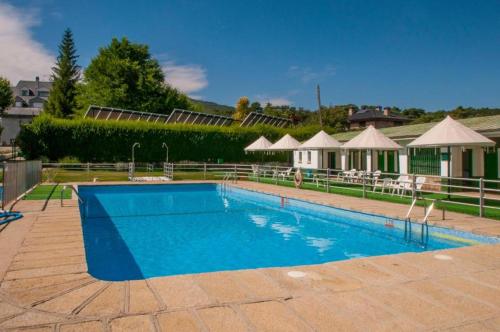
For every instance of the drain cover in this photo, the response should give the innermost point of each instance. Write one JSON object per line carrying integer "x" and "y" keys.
{"x": 296, "y": 274}
{"x": 443, "y": 257}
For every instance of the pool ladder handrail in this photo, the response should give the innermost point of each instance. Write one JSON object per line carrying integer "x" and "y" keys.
{"x": 70, "y": 186}
{"x": 424, "y": 233}
{"x": 228, "y": 176}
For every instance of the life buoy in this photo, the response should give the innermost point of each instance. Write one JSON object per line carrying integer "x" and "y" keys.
{"x": 297, "y": 178}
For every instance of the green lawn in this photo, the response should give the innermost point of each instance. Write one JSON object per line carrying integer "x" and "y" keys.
{"x": 349, "y": 190}
{"x": 44, "y": 191}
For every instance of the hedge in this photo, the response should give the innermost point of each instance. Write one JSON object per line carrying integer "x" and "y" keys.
{"x": 106, "y": 141}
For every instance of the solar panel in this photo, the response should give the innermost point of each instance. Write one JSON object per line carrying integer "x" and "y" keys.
{"x": 176, "y": 116}
{"x": 255, "y": 118}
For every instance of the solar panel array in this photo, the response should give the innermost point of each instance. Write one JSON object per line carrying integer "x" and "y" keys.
{"x": 255, "y": 118}
{"x": 176, "y": 116}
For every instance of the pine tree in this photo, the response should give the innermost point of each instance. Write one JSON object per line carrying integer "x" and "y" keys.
{"x": 65, "y": 76}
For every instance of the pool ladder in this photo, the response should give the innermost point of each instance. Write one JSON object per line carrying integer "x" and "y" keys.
{"x": 229, "y": 177}
{"x": 424, "y": 231}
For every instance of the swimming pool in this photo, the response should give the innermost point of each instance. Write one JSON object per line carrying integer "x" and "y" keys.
{"x": 142, "y": 231}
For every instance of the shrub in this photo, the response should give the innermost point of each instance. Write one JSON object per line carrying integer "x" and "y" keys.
{"x": 110, "y": 141}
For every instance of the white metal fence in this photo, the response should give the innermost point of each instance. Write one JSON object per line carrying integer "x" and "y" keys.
{"x": 478, "y": 193}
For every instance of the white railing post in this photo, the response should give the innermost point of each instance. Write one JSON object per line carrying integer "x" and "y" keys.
{"x": 327, "y": 180}
{"x": 204, "y": 171}
{"x": 481, "y": 197}
{"x": 413, "y": 187}
{"x": 363, "y": 175}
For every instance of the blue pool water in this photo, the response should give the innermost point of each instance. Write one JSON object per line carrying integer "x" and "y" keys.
{"x": 143, "y": 231}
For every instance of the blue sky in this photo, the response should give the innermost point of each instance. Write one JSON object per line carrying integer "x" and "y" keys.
{"x": 430, "y": 54}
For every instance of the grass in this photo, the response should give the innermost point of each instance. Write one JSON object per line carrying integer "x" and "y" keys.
{"x": 354, "y": 191}
{"x": 44, "y": 192}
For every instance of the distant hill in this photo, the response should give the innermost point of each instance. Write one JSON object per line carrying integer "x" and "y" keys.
{"x": 213, "y": 108}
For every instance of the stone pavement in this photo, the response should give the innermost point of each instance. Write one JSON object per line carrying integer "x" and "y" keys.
{"x": 45, "y": 285}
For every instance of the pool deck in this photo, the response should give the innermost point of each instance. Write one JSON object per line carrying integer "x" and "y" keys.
{"x": 45, "y": 285}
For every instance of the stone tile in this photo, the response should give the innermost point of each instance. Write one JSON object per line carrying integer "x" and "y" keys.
{"x": 141, "y": 298}
{"x": 353, "y": 308}
{"x": 221, "y": 287}
{"x": 178, "y": 321}
{"x": 477, "y": 291}
{"x": 393, "y": 264}
{"x": 82, "y": 327}
{"x": 411, "y": 307}
{"x": 258, "y": 285}
{"x": 110, "y": 302}
{"x": 180, "y": 292}
{"x": 46, "y": 271}
{"x": 472, "y": 327}
{"x": 68, "y": 302}
{"x": 222, "y": 319}
{"x": 49, "y": 254}
{"x": 141, "y": 323}
{"x": 293, "y": 286}
{"x": 490, "y": 277}
{"x": 30, "y": 319}
{"x": 328, "y": 277}
{"x": 450, "y": 299}
{"x": 7, "y": 310}
{"x": 363, "y": 270}
{"x": 47, "y": 328}
{"x": 54, "y": 261}
{"x": 493, "y": 323}
{"x": 32, "y": 296}
{"x": 273, "y": 316}
{"x": 49, "y": 240}
{"x": 53, "y": 246}
{"x": 30, "y": 283}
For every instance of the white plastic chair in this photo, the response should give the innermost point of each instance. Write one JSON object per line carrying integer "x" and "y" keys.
{"x": 286, "y": 174}
{"x": 399, "y": 184}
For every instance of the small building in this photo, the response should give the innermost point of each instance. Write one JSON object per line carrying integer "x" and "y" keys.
{"x": 377, "y": 118}
{"x": 469, "y": 161}
{"x": 29, "y": 98}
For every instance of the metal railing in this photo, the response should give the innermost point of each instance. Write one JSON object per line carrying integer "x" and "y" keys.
{"x": 479, "y": 193}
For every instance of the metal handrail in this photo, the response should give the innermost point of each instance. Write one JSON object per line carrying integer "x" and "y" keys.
{"x": 411, "y": 208}
{"x": 70, "y": 186}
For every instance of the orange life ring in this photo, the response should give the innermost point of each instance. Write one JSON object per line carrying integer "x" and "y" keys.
{"x": 297, "y": 178}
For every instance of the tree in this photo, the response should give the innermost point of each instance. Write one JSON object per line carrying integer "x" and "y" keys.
{"x": 6, "y": 96}
{"x": 242, "y": 108}
{"x": 256, "y": 107}
{"x": 124, "y": 75}
{"x": 65, "y": 75}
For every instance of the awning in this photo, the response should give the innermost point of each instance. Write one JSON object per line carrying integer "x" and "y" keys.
{"x": 450, "y": 132}
{"x": 371, "y": 139}
{"x": 321, "y": 141}
{"x": 286, "y": 143}
{"x": 261, "y": 144}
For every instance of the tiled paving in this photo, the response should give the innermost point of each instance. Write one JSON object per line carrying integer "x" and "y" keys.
{"x": 45, "y": 285}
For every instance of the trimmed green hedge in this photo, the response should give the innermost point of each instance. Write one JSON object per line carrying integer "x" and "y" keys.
{"x": 111, "y": 141}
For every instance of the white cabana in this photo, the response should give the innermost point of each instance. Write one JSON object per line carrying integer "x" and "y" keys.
{"x": 261, "y": 144}
{"x": 286, "y": 143}
{"x": 450, "y": 132}
{"x": 320, "y": 151}
{"x": 460, "y": 148}
{"x": 364, "y": 144}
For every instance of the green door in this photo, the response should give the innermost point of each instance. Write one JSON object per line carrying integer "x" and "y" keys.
{"x": 491, "y": 167}
{"x": 332, "y": 160}
{"x": 381, "y": 161}
{"x": 390, "y": 162}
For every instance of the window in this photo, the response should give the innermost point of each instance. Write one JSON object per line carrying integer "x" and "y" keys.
{"x": 362, "y": 124}
{"x": 19, "y": 104}
{"x": 38, "y": 105}
{"x": 308, "y": 157}
{"x": 25, "y": 92}
{"x": 43, "y": 93}
{"x": 300, "y": 157}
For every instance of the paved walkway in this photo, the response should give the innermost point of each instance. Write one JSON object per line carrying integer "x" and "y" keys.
{"x": 45, "y": 285}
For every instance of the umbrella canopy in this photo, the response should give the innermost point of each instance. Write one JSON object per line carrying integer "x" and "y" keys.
{"x": 450, "y": 132}
{"x": 286, "y": 143}
{"x": 261, "y": 144}
{"x": 371, "y": 139}
{"x": 321, "y": 141}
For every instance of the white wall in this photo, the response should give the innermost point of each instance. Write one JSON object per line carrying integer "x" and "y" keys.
{"x": 403, "y": 161}
{"x": 319, "y": 159}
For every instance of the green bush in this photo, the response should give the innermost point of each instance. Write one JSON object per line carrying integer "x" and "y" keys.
{"x": 110, "y": 141}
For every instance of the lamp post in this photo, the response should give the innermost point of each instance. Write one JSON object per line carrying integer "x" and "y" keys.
{"x": 164, "y": 145}
{"x": 133, "y": 156}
